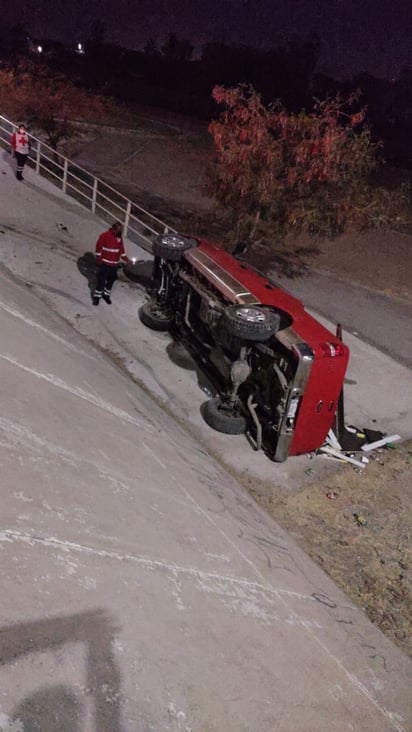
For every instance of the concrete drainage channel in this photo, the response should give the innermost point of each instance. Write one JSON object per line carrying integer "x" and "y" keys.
{"x": 169, "y": 375}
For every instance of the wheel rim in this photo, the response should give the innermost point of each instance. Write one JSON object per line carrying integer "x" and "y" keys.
{"x": 251, "y": 315}
{"x": 173, "y": 242}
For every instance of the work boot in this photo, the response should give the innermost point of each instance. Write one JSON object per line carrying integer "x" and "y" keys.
{"x": 107, "y": 299}
{"x": 96, "y": 300}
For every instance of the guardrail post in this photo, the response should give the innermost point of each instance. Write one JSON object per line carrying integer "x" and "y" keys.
{"x": 43, "y": 154}
{"x": 65, "y": 168}
{"x": 127, "y": 217}
{"x": 38, "y": 157}
{"x": 94, "y": 195}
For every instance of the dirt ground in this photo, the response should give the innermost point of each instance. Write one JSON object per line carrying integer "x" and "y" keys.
{"x": 162, "y": 166}
{"x": 369, "y": 557}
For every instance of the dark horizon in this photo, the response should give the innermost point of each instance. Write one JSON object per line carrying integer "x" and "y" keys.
{"x": 375, "y": 38}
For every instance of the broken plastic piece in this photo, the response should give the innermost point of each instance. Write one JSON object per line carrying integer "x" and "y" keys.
{"x": 341, "y": 456}
{"x": 333, "y": 441}
{"x": 380, "y": 443}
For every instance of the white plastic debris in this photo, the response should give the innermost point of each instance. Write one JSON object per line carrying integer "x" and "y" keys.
{"x": 341, "y": 456}
{"x": 333, "y": 441}
{"x": 380, "y": 443}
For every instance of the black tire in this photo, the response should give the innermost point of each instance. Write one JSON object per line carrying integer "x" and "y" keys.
{"x": 221, "y": 419}
{"x": 154, "y": 317}
{"x": 250, "y": 322}
{"x": 172, "y": 246}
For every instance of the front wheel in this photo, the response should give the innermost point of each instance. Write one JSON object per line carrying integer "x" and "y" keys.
{"x": 172, "y": 246}
{"x": 250, "y": 322}
{"x": 222, "y": 418}
{"x": 155, "y": 317}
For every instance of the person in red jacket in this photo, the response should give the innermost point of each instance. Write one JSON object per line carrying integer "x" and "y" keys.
{"x": 20, "y": 145}
{"x": 109, "y": 253}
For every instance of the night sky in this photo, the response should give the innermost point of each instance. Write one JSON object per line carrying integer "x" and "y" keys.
{"x": 357, "y": 35}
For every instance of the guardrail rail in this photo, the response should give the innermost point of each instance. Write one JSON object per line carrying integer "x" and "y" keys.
{"x": 140, "y": 226}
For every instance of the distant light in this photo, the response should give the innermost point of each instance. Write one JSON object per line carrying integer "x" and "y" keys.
{"x": 40, "y": 49}
{"x": 80, "y": 48}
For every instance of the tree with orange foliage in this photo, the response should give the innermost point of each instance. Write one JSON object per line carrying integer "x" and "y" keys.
{"x": 292, "y": 172}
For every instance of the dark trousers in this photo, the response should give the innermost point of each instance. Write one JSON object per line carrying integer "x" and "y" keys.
{"x": 21, "y": 160}
{"x": 106, "y": 277}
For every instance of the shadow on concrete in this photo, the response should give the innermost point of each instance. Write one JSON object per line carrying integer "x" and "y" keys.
{"x": 59, "y": 708}
{"x": 140, "y": 271}
{"x": 10, "y": 160}
{"x": 180, "y": 356}
{"x": 56, "y": 709}
{"x": 87, "y": 266}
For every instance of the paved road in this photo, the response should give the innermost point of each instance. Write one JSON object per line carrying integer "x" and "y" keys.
{"x": 384, "y": 322}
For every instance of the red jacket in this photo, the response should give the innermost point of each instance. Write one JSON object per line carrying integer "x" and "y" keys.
{"x": 110, "y": 249}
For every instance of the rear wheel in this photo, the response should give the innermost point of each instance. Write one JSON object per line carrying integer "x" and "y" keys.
{"x": 250, "y": 322}
{"x": 222, "y": 418}
{"x": 155, "y": 317}
{"x": 172, "y": 246}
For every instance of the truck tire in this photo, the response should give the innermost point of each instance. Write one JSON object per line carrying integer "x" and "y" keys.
{"x": 172, "y": 246}
{"x": 221, "y": 419}
{"x": 250, "y": 322}
{"x": 154, "y": 317}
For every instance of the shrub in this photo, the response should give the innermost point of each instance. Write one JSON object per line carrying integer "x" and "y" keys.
{"x": 282, "y": 172}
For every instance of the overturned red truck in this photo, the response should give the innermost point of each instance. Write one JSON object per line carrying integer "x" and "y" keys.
{"x": 277, "y": 372}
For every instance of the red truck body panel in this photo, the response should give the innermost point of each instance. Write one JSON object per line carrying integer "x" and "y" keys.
{"x": 319, "y": 400}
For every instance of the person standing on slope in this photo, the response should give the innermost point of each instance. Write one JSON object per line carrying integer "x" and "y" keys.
{"x": 109, "y": 253}
{"x": 20, "y": 144}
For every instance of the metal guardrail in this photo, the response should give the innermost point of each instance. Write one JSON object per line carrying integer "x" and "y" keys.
{"x": 140, "y": 226}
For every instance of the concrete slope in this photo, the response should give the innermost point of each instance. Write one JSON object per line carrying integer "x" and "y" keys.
{"x": 142, "y": 589}
{"x": 42, "y": 234}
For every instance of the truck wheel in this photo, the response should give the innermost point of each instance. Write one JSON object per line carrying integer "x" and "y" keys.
{"x": 172, "y": 246}
{"x": 221, "y": 419}
{"x": 154, "y": 317}
{"x": 250, "y": 322}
